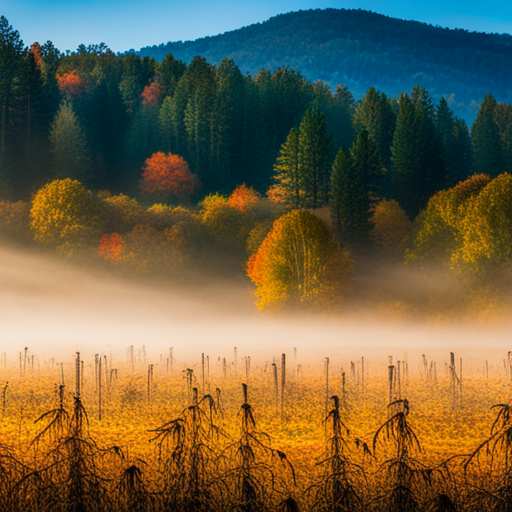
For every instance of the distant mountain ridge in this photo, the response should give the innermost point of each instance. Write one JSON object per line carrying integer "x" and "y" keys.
{"x": 362, "y": 49}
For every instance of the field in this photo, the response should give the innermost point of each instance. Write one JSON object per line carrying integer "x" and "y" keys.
{"x": 126, "y": 431}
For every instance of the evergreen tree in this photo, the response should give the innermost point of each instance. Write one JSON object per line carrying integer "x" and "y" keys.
{"x": 416, "y": 152}
{"x": 169, "y": 73}
{"x": 340, "y": 198}
{"x": 503, "y": 119}
{"x": 287, "y": 173}
{"x": 69, "y": 145}
{"x": 456, "y": 146}
{"x": 344, "y": 107}
{"x": 486, "y": 140}
{"x": 227, "y": 125}
{"x": 355, "y": 187}
{"x": 315, "y": 157}
{"x": 29, "y": 124}
{"x": 11, "y": 55}
{"x": 375, "y": 115}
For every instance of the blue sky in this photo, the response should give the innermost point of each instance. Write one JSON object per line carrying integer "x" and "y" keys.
{"x": 125, "y": 24}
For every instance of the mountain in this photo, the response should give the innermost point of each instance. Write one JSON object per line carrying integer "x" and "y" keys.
{"x": 362, "y": 49}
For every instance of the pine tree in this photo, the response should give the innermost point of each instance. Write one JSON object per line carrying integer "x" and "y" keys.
{"x": 227, "y": 125}
{"x": 375, "y": 115}
{"x": 340, "y": 196}
{"x": 416, "y": 153}
{"x": 169, "y": 73}
{"x": 69, "y": 145}
{"x": 486, "y": 140}
{"x": 287, "y": 174}
{"x": 456, "y": 145}
{"x": 315, "y": 157}
{"x": 503, "y": 120}
{"x": 11, "y": 55}
{"x": 355, "y": 188}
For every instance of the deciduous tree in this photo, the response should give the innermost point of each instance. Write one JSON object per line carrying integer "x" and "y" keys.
{"x": 167, "y": 176}
{"x": 299, "y": 264}
{"x": 65, "y": 214}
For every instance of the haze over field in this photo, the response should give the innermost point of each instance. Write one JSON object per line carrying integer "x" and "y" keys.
{"x": 56, "y": 307}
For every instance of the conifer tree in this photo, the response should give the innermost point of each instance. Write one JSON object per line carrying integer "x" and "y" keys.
{"x": 375, "y": 115}
{"x": 486, "y": 139}
{"x": 11, "y": 54}
{"x": 416, "y": 152}
{"x": 69, "y": 145}
{"x": 455, "y": 143}
{"x": 287, "y": 173}
{"x": 315, "y": 157}
{"x": 355, "y": 187}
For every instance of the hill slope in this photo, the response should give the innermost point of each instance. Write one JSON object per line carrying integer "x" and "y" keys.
{"x": 363, "y": 49}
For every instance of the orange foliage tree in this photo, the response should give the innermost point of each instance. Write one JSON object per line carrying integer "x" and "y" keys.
{"x": 71, "y": 85}
{"x": 112, "y": 247}
{"x": 244, "y": 198}
{"x": 300, "y": 264}
{"x": 152, "y": 95}
{"x": 168, "y": 177}
{"x": 35, "y": 50}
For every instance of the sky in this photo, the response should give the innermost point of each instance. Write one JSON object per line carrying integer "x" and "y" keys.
{"x": 126, "y": 24}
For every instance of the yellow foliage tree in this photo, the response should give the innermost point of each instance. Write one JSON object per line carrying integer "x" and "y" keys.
{"x": 391, "y": 228}
{"x": 122, "y": 212}
{"x": 65, "y": 214}
{"x": 299, "y": 264}
{"x": 486, "y": 246}
{"x": 439, "y": 228}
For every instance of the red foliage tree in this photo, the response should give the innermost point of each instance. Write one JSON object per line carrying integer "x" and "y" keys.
{"x": 35, "y": 50}
{"x": 112, "y": 247}
{"x": 71, "y": 85}
{"x": 168, "y": 177}
{"x": 152, "y": 95}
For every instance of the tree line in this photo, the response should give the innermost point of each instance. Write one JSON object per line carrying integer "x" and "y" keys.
{"x": 94, "y": 116}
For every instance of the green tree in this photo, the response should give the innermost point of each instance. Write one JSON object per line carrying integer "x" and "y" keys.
{"x": 227, "y": 125}
{"x": 11, "y": 55}
{"x": 375, "y": 115}
{"x": 315, "y": 157}
{"x": 455, "y": 142}
{"x": 416, "y": 152}
{"x": 299, "y": 264}
{"x": 169, "y": 73}
{"x": 287, "y": 172}
{"x": 486, "y": 139}
{"x": 355, "y": 187}
{"x": 69, "y": 145}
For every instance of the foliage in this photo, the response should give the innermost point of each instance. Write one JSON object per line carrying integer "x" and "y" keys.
{"x": 168, "y": 177}
{"x": 121, "y": 213}
{"x": 71, "y": 85}
{"x": 391, "y": 228}
{"x": 486, "y": 244}
{"x": 65, "y": 214}
{"x": 244, "y": 198}
{"x": 299, "y": 265}
{"x": 112, "y": 247}
{"x": 440, "y": 228}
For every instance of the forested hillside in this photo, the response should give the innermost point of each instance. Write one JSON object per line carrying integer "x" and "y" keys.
{"x": 155, "y": 165}
{"x": 363, "y": 49}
